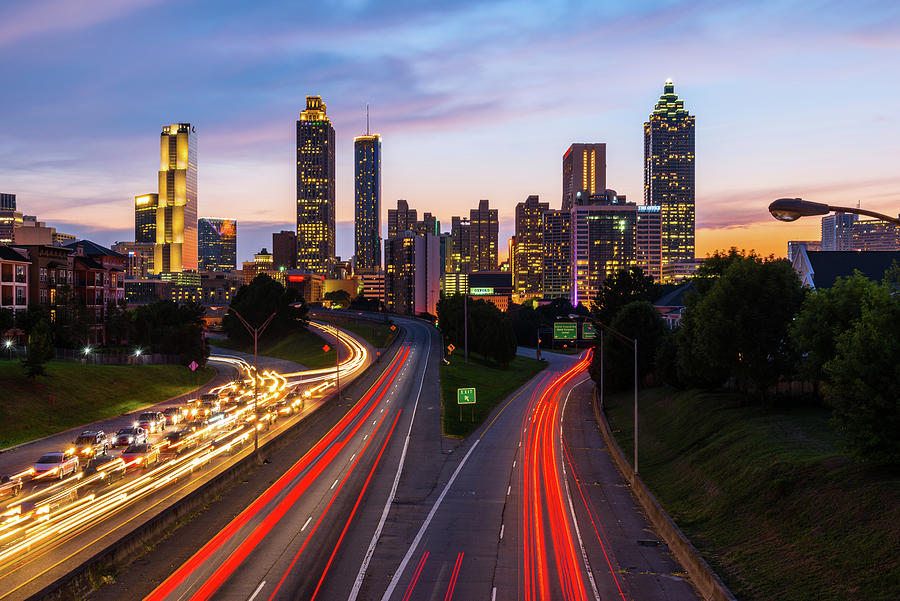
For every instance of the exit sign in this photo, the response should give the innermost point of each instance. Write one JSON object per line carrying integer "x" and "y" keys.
{"x": 465, "y": 396}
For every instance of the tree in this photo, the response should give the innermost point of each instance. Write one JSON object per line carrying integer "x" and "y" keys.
{"x": 339, "y": 298}
{"x": 40, "y": 350}
{"x": 171, "y": 329}
{"x": 490, "y": 332}
{"x": 621, "y": 288}
{"x": 7, "y": 320}
{"x": 259, "y": 299}
{"x": 639, "y": 321}
{"x": 864, "y": 376}
{"x": 826, "y": 313}
{"x": 739, "y": 328}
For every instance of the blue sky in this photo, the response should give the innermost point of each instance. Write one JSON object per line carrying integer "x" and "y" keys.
{"x": 474, "y": 100}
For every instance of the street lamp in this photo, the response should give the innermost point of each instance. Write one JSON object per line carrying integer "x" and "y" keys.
{"x": 634, "y": 344}
{"x": 8, "y": 344}
{"x": 792, "y": 209}
{"x": 255, "y": 332}
{"x": 138, "y": 352}
{"x": 86, "y": 351}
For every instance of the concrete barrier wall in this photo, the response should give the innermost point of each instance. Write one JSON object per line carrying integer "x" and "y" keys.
{"x": 704, "y": 578}
{"x": 117, "y": 555}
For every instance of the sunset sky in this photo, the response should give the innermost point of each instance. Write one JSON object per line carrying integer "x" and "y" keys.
{"x": 473, "y": 100}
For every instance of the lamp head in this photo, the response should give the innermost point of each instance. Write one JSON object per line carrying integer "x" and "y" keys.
{"x": 792, "y": 209}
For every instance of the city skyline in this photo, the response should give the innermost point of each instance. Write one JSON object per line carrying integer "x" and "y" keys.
{"x": 476, "y": 97}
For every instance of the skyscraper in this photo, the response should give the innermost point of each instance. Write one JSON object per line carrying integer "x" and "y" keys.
{"x": 460, "y": 246}
{"x": 284, "y": 250}
{"x": 10, "y": 218}
{"x": 837, "y": 231}
{"x": 145, "y": 207}
{"x": 603, "y": 242}
{"x": 7, "y": 201}
{"x": 556, "y": 268}
{"x": 526, "y": 257}
{"x": 484, "y": 229}
{"x": 175, "y": 249}
{"x": 218, "y": 244}
{"x": 649, "y": 241}
{"x": 401, "y": 219}
{"x": 412, "y": 278}
{"x": 669, "y": 173}
{"x": 315, "y": 189}
{"x": 584, "y": 168}
{"x": 875, "y": 235}
{"x": 367, "y": 202}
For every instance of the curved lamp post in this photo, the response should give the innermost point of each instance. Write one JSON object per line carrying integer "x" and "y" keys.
{"x": 792, "y": 209}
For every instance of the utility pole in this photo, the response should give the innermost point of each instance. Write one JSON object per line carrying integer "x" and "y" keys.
{"x": 466, "y": 325}
{"x": 337, "y": 358}
{"x": 255, "y": 332}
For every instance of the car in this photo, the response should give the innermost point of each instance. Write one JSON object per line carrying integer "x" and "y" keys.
{"x": 129, "y": 436}
{"x": 112, "y": 469}
{"x": 181, "y": 441}
{"x": 10, "y": 486}
{"x": 91, "y": 443}
{"x": 59, "y": 464}
{"x": 174, "y": 415}
{"x": 152, "y": 421}
{"x": 142, "y": 455}
{"x": 209, "y": 405}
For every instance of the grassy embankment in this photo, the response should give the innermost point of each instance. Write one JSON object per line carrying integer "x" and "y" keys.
{"x": 376, "y": 333}
{"x": 83, "y": 394}
{"x": 492, "y": 383}
{"x": 303, "y": 346}
{"x": 768, "y": 496}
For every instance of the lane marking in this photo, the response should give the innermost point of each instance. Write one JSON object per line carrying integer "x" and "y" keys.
{"x": 502, "y": 528}
{"x": 508, "y": 489}
{"x": 352, "y": 456}
{"x": 256, "y": 592}
{"x": 334, "y": 484}
{"x": 494, "y": 594}
{"x": 370, "y": 551}
{"x": 306, "y": 523}
{"x": 514, "y": 464}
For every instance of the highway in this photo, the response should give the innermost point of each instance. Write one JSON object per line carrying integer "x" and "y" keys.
{"x": 55, "y": 522}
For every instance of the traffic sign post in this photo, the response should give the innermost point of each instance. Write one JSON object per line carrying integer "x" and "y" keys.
{"x": 465, "y": 396}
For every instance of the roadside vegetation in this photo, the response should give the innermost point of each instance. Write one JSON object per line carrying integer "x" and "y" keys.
{"x": 376, "y": 333}
{"x": 493, "y": 383}
{"x": 767, "y": 495}
{"x": 301, "y": 346}
{"x": 83, "y": 394}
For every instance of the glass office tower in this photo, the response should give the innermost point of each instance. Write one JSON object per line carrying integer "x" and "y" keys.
{"x": 367, "y": 202}
{"x": 315, "y": 189}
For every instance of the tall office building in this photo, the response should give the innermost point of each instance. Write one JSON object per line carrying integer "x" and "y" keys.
{"x": 556, "y": 267}
{"x": 145, "y": 207}
{"x": 315, "y": 189}
{"x": 175, "y": 249}
{"x": 412, "y": 274}
{"x": 484, "y": 230}
{"x": 284, "y": 250}
{"x": 837, "y": 231}
{"x": 218, "y": 244}
{"x": 428, "y": 225}
{"x": 603, "y": 242}
{"x": 367, "y": 202}
{"x": 10, "y": 218}
{"x": 526, "y": 255}
{"x": 401, "y": 219}
{"x": 584, "y": 168}
{"x": 875, "y": 235}
{"x": 649, "y": 241}
{"x": 669, "y": 173}
{"x": 460, "y": 246}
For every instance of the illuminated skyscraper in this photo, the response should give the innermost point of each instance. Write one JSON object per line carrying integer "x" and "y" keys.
{"x": 649, "y": 241}
{"x": 556, "y": 269}
{"x": 584, "y": 168}
{"x": 10, "y": 218}
{"x": 145, "y": 207}
{"x": 176, "y": 213}
{"x": 837, "y": 231}
{"x": 484, "y": 229}
{"x": 218, "y": 244}
{"x": 367, "y": 202}
{"x": 527, "y": 252}
{"x": 460, "y": 246}
{"x": 401, "y": 219}
{"x": 669, "y": 173}
{"x": 315, "y": 189}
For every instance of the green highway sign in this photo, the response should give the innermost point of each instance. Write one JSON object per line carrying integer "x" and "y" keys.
{"x": 564, "y": 330}
{"x": 481, "y": 291}
{"x": 588, "y": 332}
{"x": 465, "y": 396}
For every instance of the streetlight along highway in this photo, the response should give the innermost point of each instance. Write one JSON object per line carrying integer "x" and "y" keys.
{"x": 792, "y": 209}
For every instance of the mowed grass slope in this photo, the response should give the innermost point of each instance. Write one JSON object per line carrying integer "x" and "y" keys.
{"x": 768, "y": 496}
{"x": 303, "y": 346}
{"x": 492, "y": 383}
{"x": 376, "y": 333}
{"x": 83, "y": 394}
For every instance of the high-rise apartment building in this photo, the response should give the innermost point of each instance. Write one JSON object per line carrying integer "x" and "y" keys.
{"x": 584, "y": 169}
{"x": 603, "y": 242}
{"x": 875, "y": 235}
{"x": 669, "y": 173}
{"x": 145, "y": 207}
{"x": 460, "y": 245}
{"x": 649, "y": 241}
{"x": 315, "y": 189}
{"x": 412, "y": 275}
{"x": 401, "y": 219}
{"x": 837, "y": 231}
{"x": 556, "y": 268}
{"x": 218, "y": 244}
{"x": 484, "y": 230}
{"x": 367, "y": 202}
{"x": 175, "y": 248}
{"x": 10, "y": 218}
{"x": 284, "y": 250}
{"x": 527, "y": 252}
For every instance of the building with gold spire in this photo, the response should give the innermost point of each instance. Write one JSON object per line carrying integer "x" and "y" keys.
{"x": 669, "y": 174}
{"x": 315, "y": 189}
